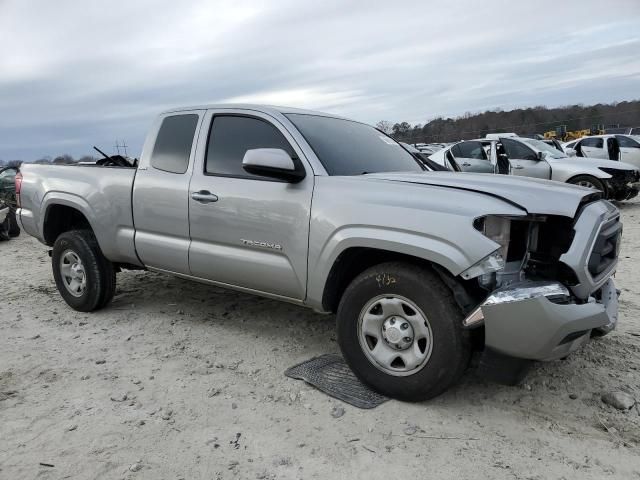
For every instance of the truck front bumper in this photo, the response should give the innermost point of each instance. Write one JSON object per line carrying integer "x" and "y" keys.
{"x": 541, "y": 321}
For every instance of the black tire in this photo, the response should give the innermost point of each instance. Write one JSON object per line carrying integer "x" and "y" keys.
{"x": 597, "y": 183}
{"x": 99, "y": 272}
{"x": 451, "y": 346}
{"x": 14, "y": 228}
{"x": 5, "y": 229}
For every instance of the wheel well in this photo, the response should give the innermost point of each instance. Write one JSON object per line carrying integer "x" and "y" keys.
{"x": 60, "y": 219}
{"x": 351, "y": 263}
{"x": 603, "y": 181}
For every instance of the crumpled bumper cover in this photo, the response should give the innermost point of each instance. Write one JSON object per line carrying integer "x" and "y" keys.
{"x": 532, "y": 321}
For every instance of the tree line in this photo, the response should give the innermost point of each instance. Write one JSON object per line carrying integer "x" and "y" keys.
{"x": 523, "y": 121}
{"x": 64, "y": 159}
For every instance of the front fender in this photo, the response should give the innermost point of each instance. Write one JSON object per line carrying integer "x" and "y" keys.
{"x": 565, "y": 173}
{"x": 440, "y": 251}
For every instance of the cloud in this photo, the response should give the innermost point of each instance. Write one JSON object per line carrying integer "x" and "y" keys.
{"x": 77, "y": 74}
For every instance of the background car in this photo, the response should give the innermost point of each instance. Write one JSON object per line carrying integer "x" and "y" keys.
{"x": 424, "y": 158}
{"x": 528, "y": 157}
{"x": 8, "y": 223}
{"x": 625, "y": 148}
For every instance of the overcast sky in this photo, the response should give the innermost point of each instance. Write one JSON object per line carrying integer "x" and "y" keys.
{"x": 74, "y": 74}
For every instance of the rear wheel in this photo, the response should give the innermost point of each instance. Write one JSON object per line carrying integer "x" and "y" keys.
{"x": 5, "y": 229}
{"x": 84, "y": 277}
{"x": 14, "y": 229}
{"x": 589, "y": 182}
{"x": 400, "y": 331}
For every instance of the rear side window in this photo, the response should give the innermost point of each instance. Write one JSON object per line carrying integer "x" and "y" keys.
{"x": 230, "y": 138}
{"x": 469, "y": 150}
{"x": 592, "y": 142}
{"x": 517, "y": 150}
{"x": 173, "y": 144}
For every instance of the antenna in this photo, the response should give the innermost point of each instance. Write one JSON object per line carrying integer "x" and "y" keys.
{"x": 118, "y": 146}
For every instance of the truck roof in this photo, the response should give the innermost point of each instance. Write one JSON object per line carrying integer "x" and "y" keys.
{"x": 271, "y": 109}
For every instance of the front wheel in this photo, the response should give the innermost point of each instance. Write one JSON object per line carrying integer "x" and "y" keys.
{"x": 589, "y": 182}
{"x": 5, "y": 229}
{"x": 14, "y": 228}
{"x": 400, "y": 331}
{"x": 85, "y": 279}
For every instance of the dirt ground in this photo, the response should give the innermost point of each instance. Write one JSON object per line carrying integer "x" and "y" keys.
{"x": 180, "y": 380}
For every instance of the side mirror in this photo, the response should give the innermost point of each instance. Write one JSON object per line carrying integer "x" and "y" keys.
{"x": 542, "y": 155}
{"x": 273, "y": 163}
{"x": 570, "y": 152}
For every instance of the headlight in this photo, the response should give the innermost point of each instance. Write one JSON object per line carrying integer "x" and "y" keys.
{"x": 497, "y": 229}
{"x": 614, "y": 172}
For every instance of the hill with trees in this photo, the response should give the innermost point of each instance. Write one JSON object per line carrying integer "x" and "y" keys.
{"x": 523, "y": 121}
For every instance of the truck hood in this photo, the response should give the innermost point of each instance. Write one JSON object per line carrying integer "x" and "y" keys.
{"x": 543, "y": 197}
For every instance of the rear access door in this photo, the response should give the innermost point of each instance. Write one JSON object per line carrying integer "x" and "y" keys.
{"x": 594, "y": 147}
{"x": 160, "y": 192}
{"x": 471, "y": 157}
{"x": 248, "y": 231}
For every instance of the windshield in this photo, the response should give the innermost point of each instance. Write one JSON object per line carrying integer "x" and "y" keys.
{"x": 346, "y": 147}
{"x": 550, "y": 150}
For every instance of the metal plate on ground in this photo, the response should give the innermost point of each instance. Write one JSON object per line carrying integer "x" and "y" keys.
{"x": 330, "y": 374}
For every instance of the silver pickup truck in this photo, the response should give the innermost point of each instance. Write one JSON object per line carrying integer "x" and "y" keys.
{"x": 420, "y": 267}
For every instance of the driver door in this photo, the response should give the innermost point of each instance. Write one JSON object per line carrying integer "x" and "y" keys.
{"x": 246, "y": 230}
{"x": 523, "y": 161}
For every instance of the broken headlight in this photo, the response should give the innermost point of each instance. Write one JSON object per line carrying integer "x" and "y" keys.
{"x": 497, "y": 229}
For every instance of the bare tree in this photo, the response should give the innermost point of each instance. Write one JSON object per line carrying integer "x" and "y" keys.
{"x": 385, "y": 126}
{"x": 65, "y": 159}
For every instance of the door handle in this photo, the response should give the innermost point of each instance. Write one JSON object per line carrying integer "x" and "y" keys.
{"x": 204, "y": 196}
{"x": 517, "y": 167}
{"x": 466, "y": 164}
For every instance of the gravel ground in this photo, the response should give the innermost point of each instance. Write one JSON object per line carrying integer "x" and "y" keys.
{"x": 180, "y": 380}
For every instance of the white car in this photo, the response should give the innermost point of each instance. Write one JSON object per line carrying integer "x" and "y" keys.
{"x": 625, "y": 148}
{"x": 513, "y": 155}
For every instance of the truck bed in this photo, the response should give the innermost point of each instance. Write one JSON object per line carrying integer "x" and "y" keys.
{"x": 102, "y": 194}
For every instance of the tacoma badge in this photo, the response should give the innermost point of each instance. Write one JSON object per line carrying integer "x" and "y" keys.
{"x": 256, "y": 243}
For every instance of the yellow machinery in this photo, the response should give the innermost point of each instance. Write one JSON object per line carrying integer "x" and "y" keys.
{"x": 561, "y": 133}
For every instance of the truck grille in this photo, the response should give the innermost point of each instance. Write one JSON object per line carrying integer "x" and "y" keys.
{"x": 605, "y": 248}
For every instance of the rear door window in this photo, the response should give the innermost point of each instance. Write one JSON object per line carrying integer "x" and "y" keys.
{"x": 173, "y": 145}
{"x": 592, "y": 142}
{"x": 469, "y": 150}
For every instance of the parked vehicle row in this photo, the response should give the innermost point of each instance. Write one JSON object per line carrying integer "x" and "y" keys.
{"x": 509, "y": 154}
{"x": 420, "y": 266}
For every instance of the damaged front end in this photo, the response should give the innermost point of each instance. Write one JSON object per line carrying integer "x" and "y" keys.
{"x": 547, "y": 288}
{"x": 623, "y": 184}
